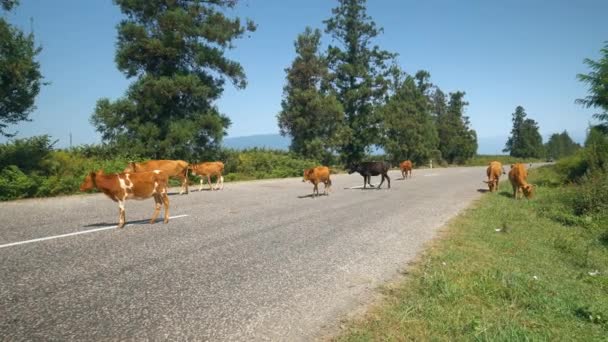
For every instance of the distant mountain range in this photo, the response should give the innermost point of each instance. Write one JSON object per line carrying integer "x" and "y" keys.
{"x": 271, "y": 141}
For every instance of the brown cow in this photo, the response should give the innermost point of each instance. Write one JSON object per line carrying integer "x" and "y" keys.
{"x": 494, "y": 171}
{"x": 316, "y": 175}
{"x": 138, "y": 185}
{"x": 173, "y": 168}
{"x": 209, "y": 169}
{"x": 406, "y": 168}
{"x": 517, "y": 177}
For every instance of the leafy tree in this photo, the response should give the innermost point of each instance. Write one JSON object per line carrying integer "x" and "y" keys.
{"x": 525, "y": 140}
{"x": 310, "y": 114}
{"x": 20, "y": 77}
{"x": 409, "y": 130}
{"x": 560, "y": 145}
{"x": 360, "y": 75}
{"x": 176, "y": 51}
{"x": 457, "y": 140}
{"x": 597, "y": 79}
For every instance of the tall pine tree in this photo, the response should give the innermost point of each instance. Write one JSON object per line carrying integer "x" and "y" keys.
{"x": 560, "y": 145}
{"x": 457, "y": 140}
{"x": 359, "y": 74}
{"x": 310, "y": 114}
{"x": 175, "y": 49}
{"x": 597, "y": 80}
{"x": 525, "y": 140}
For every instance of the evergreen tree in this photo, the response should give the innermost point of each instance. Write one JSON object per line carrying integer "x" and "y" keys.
{"x": 20, "y": 77}
{"x": 525, "y": 140}
{"x": 176, "y": 51}
{"x": 360, "y": 76}
{"x": 409, "y": 131}
{"x": 457, "y": 140}
{"x": 310, "y": 115}
{"x": 597, "y": 79}
{"x": 560, "y": 145}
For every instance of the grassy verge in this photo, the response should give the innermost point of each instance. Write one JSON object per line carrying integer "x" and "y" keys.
{"x": 534, "y": 279}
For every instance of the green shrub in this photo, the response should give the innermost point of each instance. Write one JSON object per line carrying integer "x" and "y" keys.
{"x": 27, "y": 154}
{"x": 15, "y": 184}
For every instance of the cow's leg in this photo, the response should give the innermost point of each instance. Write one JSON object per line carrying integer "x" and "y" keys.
{"x": 165, "y": 200}
{"x": 381, "y": 181}
{"x": 185, "y": 184}
{"x": 315, "y": 189}
{"x": 369, "y": 181}
{"x": 514, "y": 191}
{"x": 157, "y": 204}
{"x": 209, "y": 181}
{"x": 121, "y": 214}
{"x": 200, "y": 187}
{"x": 222, "y": 182}
{"x": 403, "y": 174}
{"x": 388, "y": 180}
{"x": 497, "y": 181}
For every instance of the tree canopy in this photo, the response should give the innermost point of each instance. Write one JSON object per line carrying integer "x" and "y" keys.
{"x": 597, "y": 80}
{"x": 525, "y": 140}
{"x": 408, "y": 128}
{"x": 560, "y": 145}
{"x": 457, "y": 140}
{"x": 310, "y": 114}
{"x": 176, "y": 51}
{"x": 20, "y": 77}
{"x": 359, "y": 75}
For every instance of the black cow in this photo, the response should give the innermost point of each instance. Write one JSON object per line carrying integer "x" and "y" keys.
{"x": 369, "y": 169}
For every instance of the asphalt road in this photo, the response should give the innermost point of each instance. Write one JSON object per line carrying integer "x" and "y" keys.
{"x": 256, "y": 261}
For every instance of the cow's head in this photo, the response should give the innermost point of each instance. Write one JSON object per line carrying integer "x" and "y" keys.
{"x": 528, "y": 190}
{"x": 491, "y": 184}
{"x": 89, "y": 182}
{"x": 352, "y": 168}
{"x": 307, "y": 173}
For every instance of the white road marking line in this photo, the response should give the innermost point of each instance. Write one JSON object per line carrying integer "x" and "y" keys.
{"x": 72, "y": 234}
{"x": 359, "y": 187}
{"x": 431, "y": 175}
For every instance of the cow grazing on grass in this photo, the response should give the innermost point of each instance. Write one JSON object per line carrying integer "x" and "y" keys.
{"x": 518, "y": 178}
{"x": 406, "y": 168}
{"x": 316, "y": 175}
{"x": 138, "y": 185}
{"x": 494, "y": 171}
{"x": 206, "y": 170}
{"x": 172, "y": 168}
{"x": 369, "y": 169}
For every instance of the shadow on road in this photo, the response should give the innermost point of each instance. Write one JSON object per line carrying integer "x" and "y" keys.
{"x": 105, "y": 224}
{"x": 312, "y": 196}
{"x": 483, "y": 191}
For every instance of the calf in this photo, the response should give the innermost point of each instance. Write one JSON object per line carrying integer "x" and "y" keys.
{"x": 209, "y": 169}
{"x": 172, "y": 168}
{"x": 494, "y": 171}
{"x": 316, "y": 175}
{"x": 517, "y": 177}
{"x": 368, "y": 169}
{"x": 406, "y": 168}
{"x": 123, "y": 186}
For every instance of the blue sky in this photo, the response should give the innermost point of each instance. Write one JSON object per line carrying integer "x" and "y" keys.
{"x": 502, "y": 54}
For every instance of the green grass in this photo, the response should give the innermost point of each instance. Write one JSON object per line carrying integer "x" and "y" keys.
{"x": 530, "y": 281}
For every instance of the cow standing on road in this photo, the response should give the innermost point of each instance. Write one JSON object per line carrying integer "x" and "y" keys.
{"x": 406, "y": 168}
{"x": 316, "y": 175}
{"x": 207, "y": 170}
{"x": 172, "y": 168}
{"x": 120, "y": 187}
{"x": 369, "y": 169}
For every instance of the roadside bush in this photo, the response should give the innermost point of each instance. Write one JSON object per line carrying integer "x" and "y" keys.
{"x": 27, "y": 154}
{"x": 485, "y": 159}
{"x": 15, "y": 184}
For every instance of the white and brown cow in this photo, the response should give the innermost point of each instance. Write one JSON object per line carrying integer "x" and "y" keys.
{"x": 120, "y": 187}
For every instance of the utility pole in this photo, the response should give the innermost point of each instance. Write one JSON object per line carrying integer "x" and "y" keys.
{"x": 70, "y": 139}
